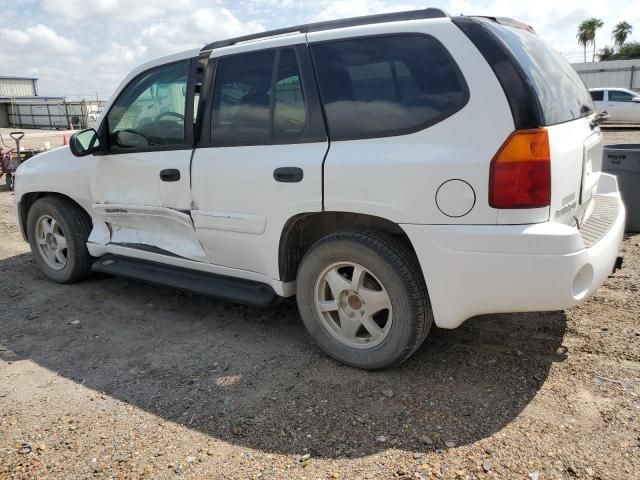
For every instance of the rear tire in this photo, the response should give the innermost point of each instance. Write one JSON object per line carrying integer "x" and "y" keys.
{"x": 58, "y": 231}
{"x": 8, "y": 178}
{"x": 363, "y": 299}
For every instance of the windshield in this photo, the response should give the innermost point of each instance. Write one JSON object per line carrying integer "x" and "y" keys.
{"x": 562, "y": 94}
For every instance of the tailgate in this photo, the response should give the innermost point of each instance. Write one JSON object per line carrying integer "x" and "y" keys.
{"x": 576, "y": 161}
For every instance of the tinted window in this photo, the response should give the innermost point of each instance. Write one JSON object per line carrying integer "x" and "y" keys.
{"x": 243, "y": 113}
{"x": 615, "y": 96}
{"x": 201, "y": 68}
{"x": 387, "y": 85}
{"x": 561, "y": 93}
{"x": 290, "y": 116}
{"x": 150, "y": 111}
{"x": 241, "y": 99}
{"x": 597, "y": 96}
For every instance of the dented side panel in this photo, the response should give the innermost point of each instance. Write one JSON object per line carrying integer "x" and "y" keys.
{"x": 161, "y": 227}
{"x": 139, "y": 208}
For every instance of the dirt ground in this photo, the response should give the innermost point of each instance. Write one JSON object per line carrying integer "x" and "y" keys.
{"x": 111, "y": 378}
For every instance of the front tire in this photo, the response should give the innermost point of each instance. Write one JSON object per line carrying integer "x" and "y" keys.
{"x": 363, "y": 299}
{"x": 58, "y": 231}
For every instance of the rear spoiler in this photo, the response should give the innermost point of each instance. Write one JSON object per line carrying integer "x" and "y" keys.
{"x": 509, "y": 22}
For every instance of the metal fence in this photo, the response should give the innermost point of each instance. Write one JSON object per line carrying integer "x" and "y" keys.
{"x": 616, "y": 74}
{"x": 54, "y": 115}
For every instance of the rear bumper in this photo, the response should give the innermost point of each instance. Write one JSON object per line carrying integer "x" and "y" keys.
{"x": 477, "y": 269}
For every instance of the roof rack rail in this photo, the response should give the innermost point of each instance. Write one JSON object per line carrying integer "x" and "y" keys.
{"x": 333, "y": 24}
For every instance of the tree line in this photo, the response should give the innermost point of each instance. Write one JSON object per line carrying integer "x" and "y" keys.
{"x": 621, "y": 50}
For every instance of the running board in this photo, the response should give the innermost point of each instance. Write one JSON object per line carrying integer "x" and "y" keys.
{"x": 233, "y": 289}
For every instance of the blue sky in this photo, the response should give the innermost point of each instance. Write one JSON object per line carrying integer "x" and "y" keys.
{"x": 80, "y": 47}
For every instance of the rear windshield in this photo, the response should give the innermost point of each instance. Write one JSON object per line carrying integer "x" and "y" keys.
{"x": 562, "y": 94}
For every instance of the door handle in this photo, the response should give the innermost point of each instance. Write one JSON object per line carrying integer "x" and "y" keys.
{"x": 170, "y": 175}
{"x": 288, "y": 174}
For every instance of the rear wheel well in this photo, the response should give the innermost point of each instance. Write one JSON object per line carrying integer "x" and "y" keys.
{"x": 304, "y": 230}
{"x": 28, "y": 199}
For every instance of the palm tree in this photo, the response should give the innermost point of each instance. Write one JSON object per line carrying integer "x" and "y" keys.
{"x": 587, "y": 35}
{"x": 583, "y": 39}
{"x": 595, "y": 24}
{"x": 620, "y": 33}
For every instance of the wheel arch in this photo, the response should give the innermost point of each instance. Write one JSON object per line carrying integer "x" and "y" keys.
{"x": 303, "y": 230}
{"x": 28, "y": 199}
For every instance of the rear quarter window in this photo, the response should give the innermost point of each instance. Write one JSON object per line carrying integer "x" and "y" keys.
{"x": 389, "y": 85}
{"x": 561, "y": 92}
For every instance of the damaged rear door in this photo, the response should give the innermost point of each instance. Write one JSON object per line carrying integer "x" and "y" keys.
{"x": 142, "y": 185}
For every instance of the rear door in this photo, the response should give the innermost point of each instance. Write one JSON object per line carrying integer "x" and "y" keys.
{"x": 260, "y": 160}
{"x": 141, "y": 187}
{"x": 597, "y": 96}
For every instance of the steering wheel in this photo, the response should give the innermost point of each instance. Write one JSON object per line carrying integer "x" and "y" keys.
{"x": 134, "y": 132}
{"x": 169, "y": 114}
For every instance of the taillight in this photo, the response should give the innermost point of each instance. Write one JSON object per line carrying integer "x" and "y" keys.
{"x": 520, "y": 174}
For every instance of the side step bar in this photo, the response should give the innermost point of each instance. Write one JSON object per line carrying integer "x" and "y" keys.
{"x": 233, "y": 289}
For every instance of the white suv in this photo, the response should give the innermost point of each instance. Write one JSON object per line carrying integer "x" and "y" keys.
{"x": 392, "y": 171}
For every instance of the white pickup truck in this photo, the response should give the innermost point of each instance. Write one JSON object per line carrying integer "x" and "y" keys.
{"x": 620, "y": 104}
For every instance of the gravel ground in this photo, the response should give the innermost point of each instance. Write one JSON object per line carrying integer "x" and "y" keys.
{"x": 623, "y": 134}
{"x": 116, "y": 379}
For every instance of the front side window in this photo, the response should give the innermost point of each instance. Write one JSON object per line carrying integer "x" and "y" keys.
{"x": 390, "y": 85}
{"x": 150, "y": 112}
{"x": 615, "y": 96}
{"x": 251, "y": 106}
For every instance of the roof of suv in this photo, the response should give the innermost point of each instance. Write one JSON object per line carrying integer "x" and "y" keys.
{"x": 422, "y": 14}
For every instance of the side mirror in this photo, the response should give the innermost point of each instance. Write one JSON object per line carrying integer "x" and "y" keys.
{"x": 635, "y": 99}
{"x": 598, "y": 119}
{"x": 84, "y": 142}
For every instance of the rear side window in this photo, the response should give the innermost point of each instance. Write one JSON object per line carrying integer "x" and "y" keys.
{"x": 597, "y": 96}
{"x": 289, "y": 112}
{"x": 242, "y": 97}
{"x": 383, "y": 86}
{"x": 252, "y": 106}
{"x": 561, "y": 92}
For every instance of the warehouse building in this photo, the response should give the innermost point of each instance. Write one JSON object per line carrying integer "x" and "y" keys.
{"x": 22, "y": 107}
{"x": 612, "y": 73}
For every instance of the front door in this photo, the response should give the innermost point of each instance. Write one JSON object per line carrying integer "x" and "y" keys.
{"x": 142, "y": 184}
{"x": 261, "y": 162}
{"x": 621, "y": 107}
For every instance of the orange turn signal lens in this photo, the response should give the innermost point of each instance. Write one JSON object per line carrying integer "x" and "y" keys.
{"x": 520, "y": 175}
